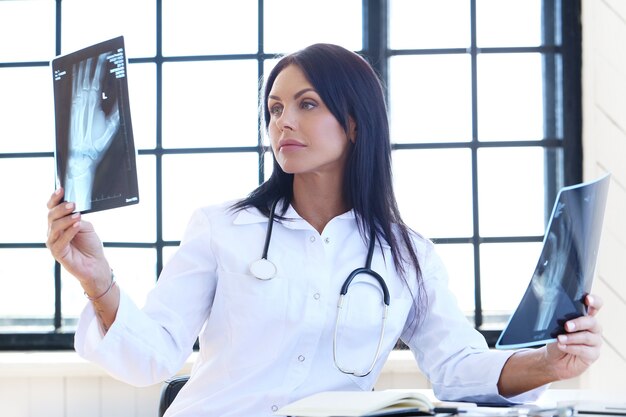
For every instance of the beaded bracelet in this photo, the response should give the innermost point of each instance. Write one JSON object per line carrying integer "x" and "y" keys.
{"x": 105, "y": 291}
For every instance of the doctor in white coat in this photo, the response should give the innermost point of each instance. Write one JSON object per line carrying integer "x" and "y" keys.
{"x": 258, "y": 280}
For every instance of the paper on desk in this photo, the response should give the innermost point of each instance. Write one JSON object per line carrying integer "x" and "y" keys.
{"x": 495, "y": 411}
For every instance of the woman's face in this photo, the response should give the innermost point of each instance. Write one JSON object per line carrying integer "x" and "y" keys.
{"x": 305, "y": 136}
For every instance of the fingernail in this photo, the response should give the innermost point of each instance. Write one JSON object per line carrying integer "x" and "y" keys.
{"x": 570, "y": 326}
{"x": 75, "y": 215}
{"x": 57, "y": 191}
{"x": 69, "y": 206}
{"x": 562, "y": 338}
{"x": 590, "y": 300}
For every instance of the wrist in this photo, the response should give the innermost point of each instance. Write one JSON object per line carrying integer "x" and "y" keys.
{"x": 97, "y": 292}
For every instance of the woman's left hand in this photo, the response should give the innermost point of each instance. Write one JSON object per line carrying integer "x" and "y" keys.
{"x": 577, "y": 349}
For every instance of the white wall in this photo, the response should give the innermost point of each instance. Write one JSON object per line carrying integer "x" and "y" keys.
{"x": 60, "y": 384}
{"x": 604, "y": 150}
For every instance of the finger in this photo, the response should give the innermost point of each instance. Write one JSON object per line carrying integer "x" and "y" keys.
{"x": 584, "y": 344}
{"x": 594, "y": 303}
{"x": 55, "y": 198}
{"x": 588, "y": 338}
{"x": 75, "y": 80}
{"x": 99, "y": 66}
{"x": 60, "y": 210}
{"x": 584, "y": 352}
{"x": 60, "y": 219}
{"x": 583, "y": 323}
{"x": 87, "y": 74}
{"x": 61, "y": 234}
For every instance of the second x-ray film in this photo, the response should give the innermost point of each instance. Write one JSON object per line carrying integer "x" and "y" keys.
{"x": 95, "y": 151}
{"x": 565, "y": 269}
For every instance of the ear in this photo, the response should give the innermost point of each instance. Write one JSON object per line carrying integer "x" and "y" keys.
{"x": 351, "y": 130}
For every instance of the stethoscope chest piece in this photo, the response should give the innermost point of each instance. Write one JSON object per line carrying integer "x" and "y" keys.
{"x": 263, "y": 269}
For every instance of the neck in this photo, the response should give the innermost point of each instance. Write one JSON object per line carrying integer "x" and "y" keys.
{"x": 318, "y": 201}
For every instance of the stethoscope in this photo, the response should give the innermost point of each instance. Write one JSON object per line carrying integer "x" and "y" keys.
{"x": 265, "y": 269}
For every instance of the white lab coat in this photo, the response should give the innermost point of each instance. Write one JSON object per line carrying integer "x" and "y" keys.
{"x": 264, "y": 344}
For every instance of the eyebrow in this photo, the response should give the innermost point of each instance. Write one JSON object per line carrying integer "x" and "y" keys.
{"x": 295, "y": 96}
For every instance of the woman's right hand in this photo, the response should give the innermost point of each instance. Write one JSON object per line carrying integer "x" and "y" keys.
{"x": 75, "y": 245}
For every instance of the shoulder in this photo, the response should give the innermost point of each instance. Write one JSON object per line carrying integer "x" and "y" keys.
{"x": 226, "y": 213}
{"x": 221, "y": 217}
{"x": 430, "y": 263}
{"x": 422, "y": 246}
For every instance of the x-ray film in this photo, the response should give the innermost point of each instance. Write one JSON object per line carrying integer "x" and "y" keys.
{"x": 565, "y": 270}
{"x": 95, "y": 151}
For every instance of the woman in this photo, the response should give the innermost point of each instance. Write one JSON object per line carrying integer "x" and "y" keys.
{"x": 270, "y": 331}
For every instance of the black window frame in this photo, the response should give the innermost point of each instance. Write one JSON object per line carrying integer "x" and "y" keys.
{"x": 563, "y": 116}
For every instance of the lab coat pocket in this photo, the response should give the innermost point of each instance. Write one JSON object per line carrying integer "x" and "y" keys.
{"x": 361, "y": 327}
{"x": 255, "y": 312}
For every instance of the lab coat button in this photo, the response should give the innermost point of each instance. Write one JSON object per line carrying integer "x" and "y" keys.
{"x": 301, "y": 358}
{"x": 326, "y": 240}
{"x": 312, "y": 239}
{"x": 316, "y": 296}
{"x": 274, "y": 408}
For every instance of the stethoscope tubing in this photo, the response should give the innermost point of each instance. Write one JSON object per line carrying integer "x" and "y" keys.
{"x": 264, "y": 269}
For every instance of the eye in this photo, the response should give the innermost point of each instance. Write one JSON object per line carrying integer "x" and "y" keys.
{"x": 308, "y": 104}
{"x": 276, "y": 109}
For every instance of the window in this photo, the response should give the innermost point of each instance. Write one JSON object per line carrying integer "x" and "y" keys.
{"x": 483, "y": 99}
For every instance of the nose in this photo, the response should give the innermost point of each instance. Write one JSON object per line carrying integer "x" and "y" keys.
{"x": 286, "y": 120}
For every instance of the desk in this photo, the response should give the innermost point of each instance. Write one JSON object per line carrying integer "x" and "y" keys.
{"x": 552, "y": 396}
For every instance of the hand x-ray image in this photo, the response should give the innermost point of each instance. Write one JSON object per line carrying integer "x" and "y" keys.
{"x": 95, "y": 151}
{"x": 565, "y": 269}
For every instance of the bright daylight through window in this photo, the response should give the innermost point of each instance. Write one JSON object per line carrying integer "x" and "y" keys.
{"x": 483, "y": 98}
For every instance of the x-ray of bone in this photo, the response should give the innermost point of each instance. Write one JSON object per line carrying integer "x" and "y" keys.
{"x": 564, "y": 272}
{"x": 95, "y": 152}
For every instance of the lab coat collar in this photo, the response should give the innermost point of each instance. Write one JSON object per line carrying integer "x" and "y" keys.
{"x": 252, "y": 215}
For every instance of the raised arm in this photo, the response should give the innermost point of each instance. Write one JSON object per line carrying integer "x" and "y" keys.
{"x": 76, "y": 246}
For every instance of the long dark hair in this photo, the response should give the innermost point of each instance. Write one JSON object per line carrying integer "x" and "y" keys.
{"x": 350, "y": 88}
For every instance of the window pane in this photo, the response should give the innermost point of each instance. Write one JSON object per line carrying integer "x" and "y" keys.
{"x": 268, "y": 164}
{"x": 85, "y": 23}
{"x": 441, "y": 204}
{"x": 26, "y": 290}
{"x": 199, "y": 27}
{"x": 210, "y": 104}
{"x": 292, "y": 25}
{"x": 29, "y": 182}
{"x": 510, "y": 97}
{"x": 430, "y": 98}
{"x": 429, "y": 24}
{"x": 142, "y": 96}
{"x": 459, "y": 261}
{"x": 135, "y": 272}
{"x": 506, "y": 270}
{"x": 511, "y": 191}
{"x": 192, "y": 181}
{"x": 134, "y": 223}
{"x": 27, "y": 110}
{"x": 28, "y": 26}
{"x": 508, "y": 22}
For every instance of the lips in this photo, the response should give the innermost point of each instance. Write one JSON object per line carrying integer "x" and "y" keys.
{"x": 289, "y": 144}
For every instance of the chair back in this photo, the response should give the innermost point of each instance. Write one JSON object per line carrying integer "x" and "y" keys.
{"x": 169, "y": 391}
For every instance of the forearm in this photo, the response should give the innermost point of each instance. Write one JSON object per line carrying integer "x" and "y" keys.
{"x": 105, "y": 300}
{"x": 524, "y": 371}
